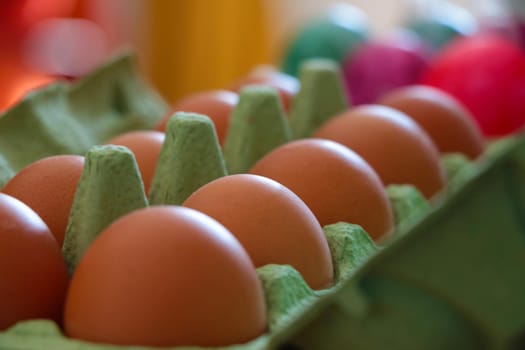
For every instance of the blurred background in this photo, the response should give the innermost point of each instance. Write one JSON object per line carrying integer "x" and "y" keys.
{"x": 187, "y": 46}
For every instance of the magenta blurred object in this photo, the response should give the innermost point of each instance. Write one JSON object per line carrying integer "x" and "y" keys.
{"x": 375, "y": 68}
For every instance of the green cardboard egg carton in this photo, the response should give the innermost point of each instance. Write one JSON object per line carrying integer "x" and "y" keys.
{"x": 450, "y": 277}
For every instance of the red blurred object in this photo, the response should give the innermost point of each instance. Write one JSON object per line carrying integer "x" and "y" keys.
{"x": 16, "y": 19}
{"x": 17, "y": 15}
{"x": 36, "y": 10}
{"x": 41, "y": 40}
{"x": 487, "y": 74}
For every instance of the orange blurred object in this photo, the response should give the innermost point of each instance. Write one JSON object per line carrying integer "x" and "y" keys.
{"x": 20, "y": 84}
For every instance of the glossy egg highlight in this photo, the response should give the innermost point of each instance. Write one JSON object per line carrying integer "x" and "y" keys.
{"x": 396, "y": 147}
{"x": 272, "y": 223}
{"x": 335, "y": 183}
{"x": 449, "y": 124}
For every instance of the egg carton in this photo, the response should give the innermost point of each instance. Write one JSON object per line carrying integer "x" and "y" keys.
{"x": 449, "y": 278}
{"x": 64, "y": 118}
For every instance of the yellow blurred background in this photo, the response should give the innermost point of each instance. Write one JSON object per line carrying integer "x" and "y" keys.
{"x": 202, "y": 44}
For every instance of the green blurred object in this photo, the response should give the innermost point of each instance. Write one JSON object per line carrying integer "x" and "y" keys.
{"x": 334, "y": 36}
{"x": 439, "y": 22}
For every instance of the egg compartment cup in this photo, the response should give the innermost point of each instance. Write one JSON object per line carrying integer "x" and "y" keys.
{"x": 451, "y": 277}
{"x": 64, "y": 118}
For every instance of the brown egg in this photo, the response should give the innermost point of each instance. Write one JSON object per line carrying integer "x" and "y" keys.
{"x": 48, "y": 187}
{"x": 445, "y": 120}
{"x": 146, "y": 146}
{"x": 33, "y": 275}
{"x": 335, "y": 183}
{"x": 394, "y": 145}
{"x": 165, "y": 276}
{"x": 216, "y": 104}
{"x": 286, "y": 85}
{"x": 270, "y": 221}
